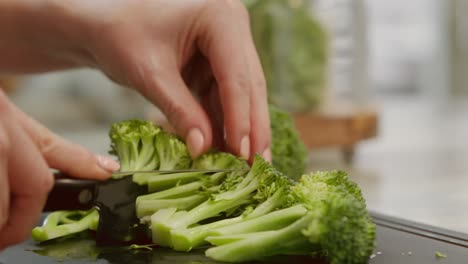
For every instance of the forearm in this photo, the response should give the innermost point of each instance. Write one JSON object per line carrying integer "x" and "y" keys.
{"x": 38, "y": 35}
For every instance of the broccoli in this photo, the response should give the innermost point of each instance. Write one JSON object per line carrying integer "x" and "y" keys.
{"x": 247, "y": 214}
{"x": 254, "y": 188}
{"x": 187, "y": 189}
{"x": 334, "y": 224}
{"x": 270, "y": 194}
{"x": 63, "y": 223}
{"x": 133, "y": 142}
{"x": 289, "y": 154}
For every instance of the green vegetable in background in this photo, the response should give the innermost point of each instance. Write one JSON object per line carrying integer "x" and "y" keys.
{"x": 289, "y": 154}
{"x": 292, "y": 46}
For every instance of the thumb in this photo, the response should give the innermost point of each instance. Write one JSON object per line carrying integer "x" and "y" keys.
{"x": 168, "y": 91}
{"x": 64, "y": 155}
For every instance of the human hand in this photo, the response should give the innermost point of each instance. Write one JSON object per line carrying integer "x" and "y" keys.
{"x": 172, "y": 50}
{"x": 27, "y": 151}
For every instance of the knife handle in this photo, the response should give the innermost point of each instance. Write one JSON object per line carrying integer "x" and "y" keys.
{"x": 71, "y": 194}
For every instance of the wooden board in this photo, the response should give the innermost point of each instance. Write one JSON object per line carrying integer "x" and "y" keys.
{"x": 337, "y": 127}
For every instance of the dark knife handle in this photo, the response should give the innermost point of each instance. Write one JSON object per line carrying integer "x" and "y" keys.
{"x": 71, "y": 194}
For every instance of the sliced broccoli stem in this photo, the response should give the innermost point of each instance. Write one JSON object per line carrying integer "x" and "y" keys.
{"x": 148, "y": 207}
{"x": 188, "y": 238}
{"x": 165, "y": 181}
{"x": 162, "y": 227}
{"x": 261, "y": 244}
{"x": 273, "y": 202}
{"x": 271, "y": 221}
{"x": 53, "y": 229}
{"x": 175, "y": 192}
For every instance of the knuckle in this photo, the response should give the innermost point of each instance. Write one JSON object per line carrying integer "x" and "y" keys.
{"x": 174, "y": 111}
{"x": 5, "y": 108}
{"x": 260, "y": 86}
{"x": 46, "y": 143}
{"x": 4, "y": 142}
{"x": 230, "y": 7}
{"x": 237, "y": 87}
{"x": 46, "y": 183}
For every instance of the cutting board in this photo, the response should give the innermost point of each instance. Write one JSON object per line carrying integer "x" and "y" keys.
{"x": 399, "y": 241}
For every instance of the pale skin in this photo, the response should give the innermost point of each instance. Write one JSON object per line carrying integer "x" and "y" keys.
{"x": 194, "y": 59}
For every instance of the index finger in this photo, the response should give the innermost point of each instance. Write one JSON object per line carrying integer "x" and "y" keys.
{"x": 228, "y": 45}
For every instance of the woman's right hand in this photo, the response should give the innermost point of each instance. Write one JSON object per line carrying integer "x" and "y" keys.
{"x": 27, "y": 152}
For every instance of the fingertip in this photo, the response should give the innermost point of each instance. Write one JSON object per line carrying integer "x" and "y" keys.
{"x": 107, "y": 163}
{"x": 244, "y": 150}
{"x": 267, "y": 154}
{"x": 195, "y": 142}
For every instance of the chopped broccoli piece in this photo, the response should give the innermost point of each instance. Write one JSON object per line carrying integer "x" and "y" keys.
{"x": 335, "y": 223}
{"x": 54, "y": 226}
{"x": 259, "y": 192}
{"x": 439, "y": 254}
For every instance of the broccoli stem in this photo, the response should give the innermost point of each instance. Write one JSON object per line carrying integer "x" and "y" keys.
{"x": 263, "y": 244}
{"x": 142, "y": 178}
{"x": 186, "y": 239}
{"x": 53, "y": 229}
{"x": 226, "y": 239}
{"x": 273, "y": 202}
{"x": 164, "y": 181}
{"x": 271, "y": 221}
{"x": 148, "y": 207}
{"x": 175, "y": 192}
{"x": 162, "y": 226}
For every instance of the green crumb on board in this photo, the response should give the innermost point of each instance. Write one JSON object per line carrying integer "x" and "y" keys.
{"x": 137, "y": 247}
{"x": 440, "y": 255}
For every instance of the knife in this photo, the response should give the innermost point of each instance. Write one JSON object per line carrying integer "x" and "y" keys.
{"x": 114, "y": 199}
{"x": 126, "y": 173}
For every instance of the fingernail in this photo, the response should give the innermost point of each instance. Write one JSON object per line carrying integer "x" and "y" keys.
{"x": 267, "y": 154}
{"x": 107, "y": 163}
{"x": 195, "y": 142}
{"x": 245, "y": 147}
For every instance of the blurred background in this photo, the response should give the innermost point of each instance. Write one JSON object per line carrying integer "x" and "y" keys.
{"x": 377, "y": 88}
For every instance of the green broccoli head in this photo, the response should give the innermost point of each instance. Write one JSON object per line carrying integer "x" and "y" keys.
{"x": 132, "y": 141}
{"x": 337, "y": 179}
{"x": 289, "y": 154}
{"x": 273, "y": 182}
{"x": 340, "y": 224}
{"x": 172, "y": 152}
{"x": 343, "y": 229}
{"x": 219, "y": 160}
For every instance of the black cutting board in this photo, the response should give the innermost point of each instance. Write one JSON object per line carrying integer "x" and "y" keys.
{"x": 399, "y": 241}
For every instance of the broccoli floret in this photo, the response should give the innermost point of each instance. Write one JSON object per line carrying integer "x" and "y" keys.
{"x": 335, "y": 223}
{"x": 172, "y": 154}
{"x": 208, "y": 161}
{"x": 172, "y": 151}
{"x": 132, "y": 141}
{"x": 289, "y": 154}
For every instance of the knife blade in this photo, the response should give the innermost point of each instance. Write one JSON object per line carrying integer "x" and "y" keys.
{"x": 127, "y": 173}
{"x": 114, "y": 200}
